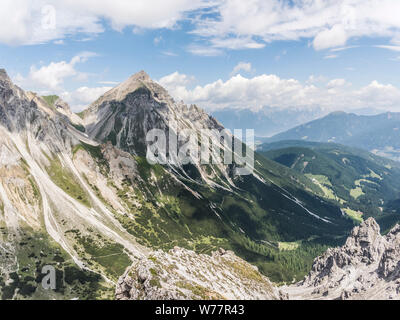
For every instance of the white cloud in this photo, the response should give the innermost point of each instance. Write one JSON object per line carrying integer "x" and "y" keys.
{"x": 245, "y": 66}
{"x": 343, "y": 48}
{"x": 337, "y": 83}
{"x": 380, "y": 96}
{"x": 236, "y": 43}
{"x": 204, "y": 51}
{"x": 331, "y": 56}
{"x": 52, "y": 76}
{"x": 273, "y": 91}
{"x": 49, "y": 79}
{"x": 312, "y": 79}
{"x": 176, "y": 82}
{"x": 169, "y": 53}
{"x": 223, "y": 24}
{"x": 27, "y": 21}
{"x": 31, "y": 21}
{"x": 80, "y": 98}
{"x": 176, "y": 79}
{"x": 392, "y": 48}
{"x": 330, "y": 23}
{"x": 334, "y": 37}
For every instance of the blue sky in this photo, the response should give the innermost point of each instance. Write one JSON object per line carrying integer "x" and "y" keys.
{"x": 335, "y": 54}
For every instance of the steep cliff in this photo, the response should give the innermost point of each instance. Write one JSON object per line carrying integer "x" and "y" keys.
{"x": 366, "y": 267}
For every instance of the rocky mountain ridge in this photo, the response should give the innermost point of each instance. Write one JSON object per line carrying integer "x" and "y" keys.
{"x": 366, "y": 267}
{"x": 181, "y": 274}
{"x": 48, "y": 207}
{"x": 125, "y": 114}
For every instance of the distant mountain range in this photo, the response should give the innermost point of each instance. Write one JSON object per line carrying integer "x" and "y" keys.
{"x": 379, "y": 134}
{"x": 266, "y": 121}
{"x": 269, "y": 121}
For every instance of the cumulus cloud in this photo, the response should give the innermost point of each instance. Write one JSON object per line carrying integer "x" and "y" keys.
{"x": 52, "y": 76}
{"x": 38, "y": 21}
{"x": 49, "y": 79}
{"x": 330, "y": 23}
{"x": 177, "y": 82}
{"x": 176, "y": 79}
{"x": 337, "y": 83}
{"x": 80, "y": 98}
{"x": 221, "y": 24}
{"x": 273, "y": 91}
{"x": 334, "y": 37}
{"x": 380, "y": 95}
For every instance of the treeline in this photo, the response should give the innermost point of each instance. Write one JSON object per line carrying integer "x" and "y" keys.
{"x": 280, "y": 265}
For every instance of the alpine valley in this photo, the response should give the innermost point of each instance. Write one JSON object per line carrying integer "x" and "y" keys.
{"x": 77, "y": 193}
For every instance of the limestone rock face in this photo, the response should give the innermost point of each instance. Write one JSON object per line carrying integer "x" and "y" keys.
{"x": 366, "y": 267}
{"x": 43, "y": 158}
{"x": 127, "y": 113}
{"x": 182, "y": 274}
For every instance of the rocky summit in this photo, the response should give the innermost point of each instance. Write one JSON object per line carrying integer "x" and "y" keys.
{"x": 366, "y": 267}
{"x": 183, "y": 274}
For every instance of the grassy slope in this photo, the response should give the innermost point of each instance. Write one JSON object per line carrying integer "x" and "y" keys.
{"x": 50, "y": 100}
{"x": 251, "y": 222}
{"x": 357, "y": 180}
{"x": 35, "y": 250}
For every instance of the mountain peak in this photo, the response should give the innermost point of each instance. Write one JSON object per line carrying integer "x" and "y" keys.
{"x": 4, "y": 75}
{"x": 141, "y": 75}
{"x": 130, "y": 85}
{"x": 136, "y": 81}
{"x": 366, "y": 233}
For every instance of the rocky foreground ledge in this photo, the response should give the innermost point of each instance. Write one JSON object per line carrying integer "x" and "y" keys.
{"x": 182, "y": 274}
{"x": 366, "y": 267}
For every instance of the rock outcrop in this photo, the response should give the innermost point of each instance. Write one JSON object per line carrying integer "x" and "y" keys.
{"x": 366, "y": 267}
{"x": 182, "y": 274}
